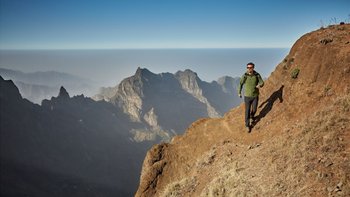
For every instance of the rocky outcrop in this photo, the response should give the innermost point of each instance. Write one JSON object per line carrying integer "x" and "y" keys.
{"x": 129, "y": 96}
{"x": 154, "y": 165}
{"x": 299, "y": 144}
{"x": 9, "y": 92}
{"x": 63, "y": 94}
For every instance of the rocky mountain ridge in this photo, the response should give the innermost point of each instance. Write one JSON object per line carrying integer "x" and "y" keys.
{"x": 37, "y": 86}
{"x": 155, "y": 99}
{"x": 68, "y": 146}
{"x": 78, "y": 146}
{"x": 299, "y": 145}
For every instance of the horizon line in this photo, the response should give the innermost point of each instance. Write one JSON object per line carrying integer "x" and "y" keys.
{"x": 47, "y": 49}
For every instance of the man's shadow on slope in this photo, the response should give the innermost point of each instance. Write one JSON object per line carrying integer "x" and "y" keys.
{"x": 268, "y": 104}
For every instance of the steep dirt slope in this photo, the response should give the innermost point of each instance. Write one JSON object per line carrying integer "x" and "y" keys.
{"x": 300, "y": 145}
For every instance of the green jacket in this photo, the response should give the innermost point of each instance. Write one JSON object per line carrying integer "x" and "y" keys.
{"x": 250, "y": 82}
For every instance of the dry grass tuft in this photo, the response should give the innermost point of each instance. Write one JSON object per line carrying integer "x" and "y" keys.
{"x": 180, "y": 188}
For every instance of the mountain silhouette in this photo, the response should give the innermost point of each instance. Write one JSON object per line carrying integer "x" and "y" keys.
{"x": 68, "y": 146}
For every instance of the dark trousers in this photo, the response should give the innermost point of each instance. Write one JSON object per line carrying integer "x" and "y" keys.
{"x": 251, "y": 106}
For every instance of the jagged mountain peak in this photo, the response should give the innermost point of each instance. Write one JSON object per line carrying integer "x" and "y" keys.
{"x": 10, "y": 89}
{"x": 187, "y": 73}
{"x": 144, "y": 73}
{"x": 299, "y": 142}
{"x": 63, "y": 93}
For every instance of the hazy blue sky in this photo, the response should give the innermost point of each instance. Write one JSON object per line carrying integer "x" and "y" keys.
{"x": 81, "y": 24}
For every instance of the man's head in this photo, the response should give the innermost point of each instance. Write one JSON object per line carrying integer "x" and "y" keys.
{"x": 250, "y": 67}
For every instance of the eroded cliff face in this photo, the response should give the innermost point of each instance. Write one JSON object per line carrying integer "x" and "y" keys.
{"x": 299, "y": 145}
{"x": 129, "y": 96}
{"x": 189, "y": 82}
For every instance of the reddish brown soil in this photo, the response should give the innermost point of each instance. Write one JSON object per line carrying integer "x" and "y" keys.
{"x": 299, "y": 147}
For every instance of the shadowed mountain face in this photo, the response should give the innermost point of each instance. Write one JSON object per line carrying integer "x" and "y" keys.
{"x": 69, "y": 146}
{"x": 222, "y": 94}
{"x": 299, "y": 145}
{"x": 168, "y": 103}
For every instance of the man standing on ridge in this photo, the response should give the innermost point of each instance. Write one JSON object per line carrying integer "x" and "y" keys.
{"x": 252, "y": 81}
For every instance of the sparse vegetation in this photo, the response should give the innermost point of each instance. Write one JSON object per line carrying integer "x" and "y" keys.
{"x": 345, "y": 104}
{"x": 207, "y": 159}
{"x": 326, "y": 41}
{"x": 321, "y": 24}
{"x": 179, "y": 188}
{"x": 295, "y": 72}
{"x": 287, "y": 63}
{"x": 326, "y": 90}
{"x": 330, "y": 118}
{"x": 334, "y": 21}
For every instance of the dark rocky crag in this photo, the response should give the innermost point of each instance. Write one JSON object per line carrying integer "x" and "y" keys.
{"x": 69, "y": 146}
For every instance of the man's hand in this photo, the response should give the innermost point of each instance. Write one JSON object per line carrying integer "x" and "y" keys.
{"x": 240, "y": 95}
{"x": 258, "y": 86}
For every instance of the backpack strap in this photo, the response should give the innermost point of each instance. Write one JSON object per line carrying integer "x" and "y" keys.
{"x": 244, "y": 78}
{"x": 256, "y": 74}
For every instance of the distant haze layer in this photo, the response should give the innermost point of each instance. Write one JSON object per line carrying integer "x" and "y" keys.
{"x": 109, "y": 67}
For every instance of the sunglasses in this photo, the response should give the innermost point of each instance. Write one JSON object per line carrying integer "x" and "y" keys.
{"x": 250, "y": 67}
